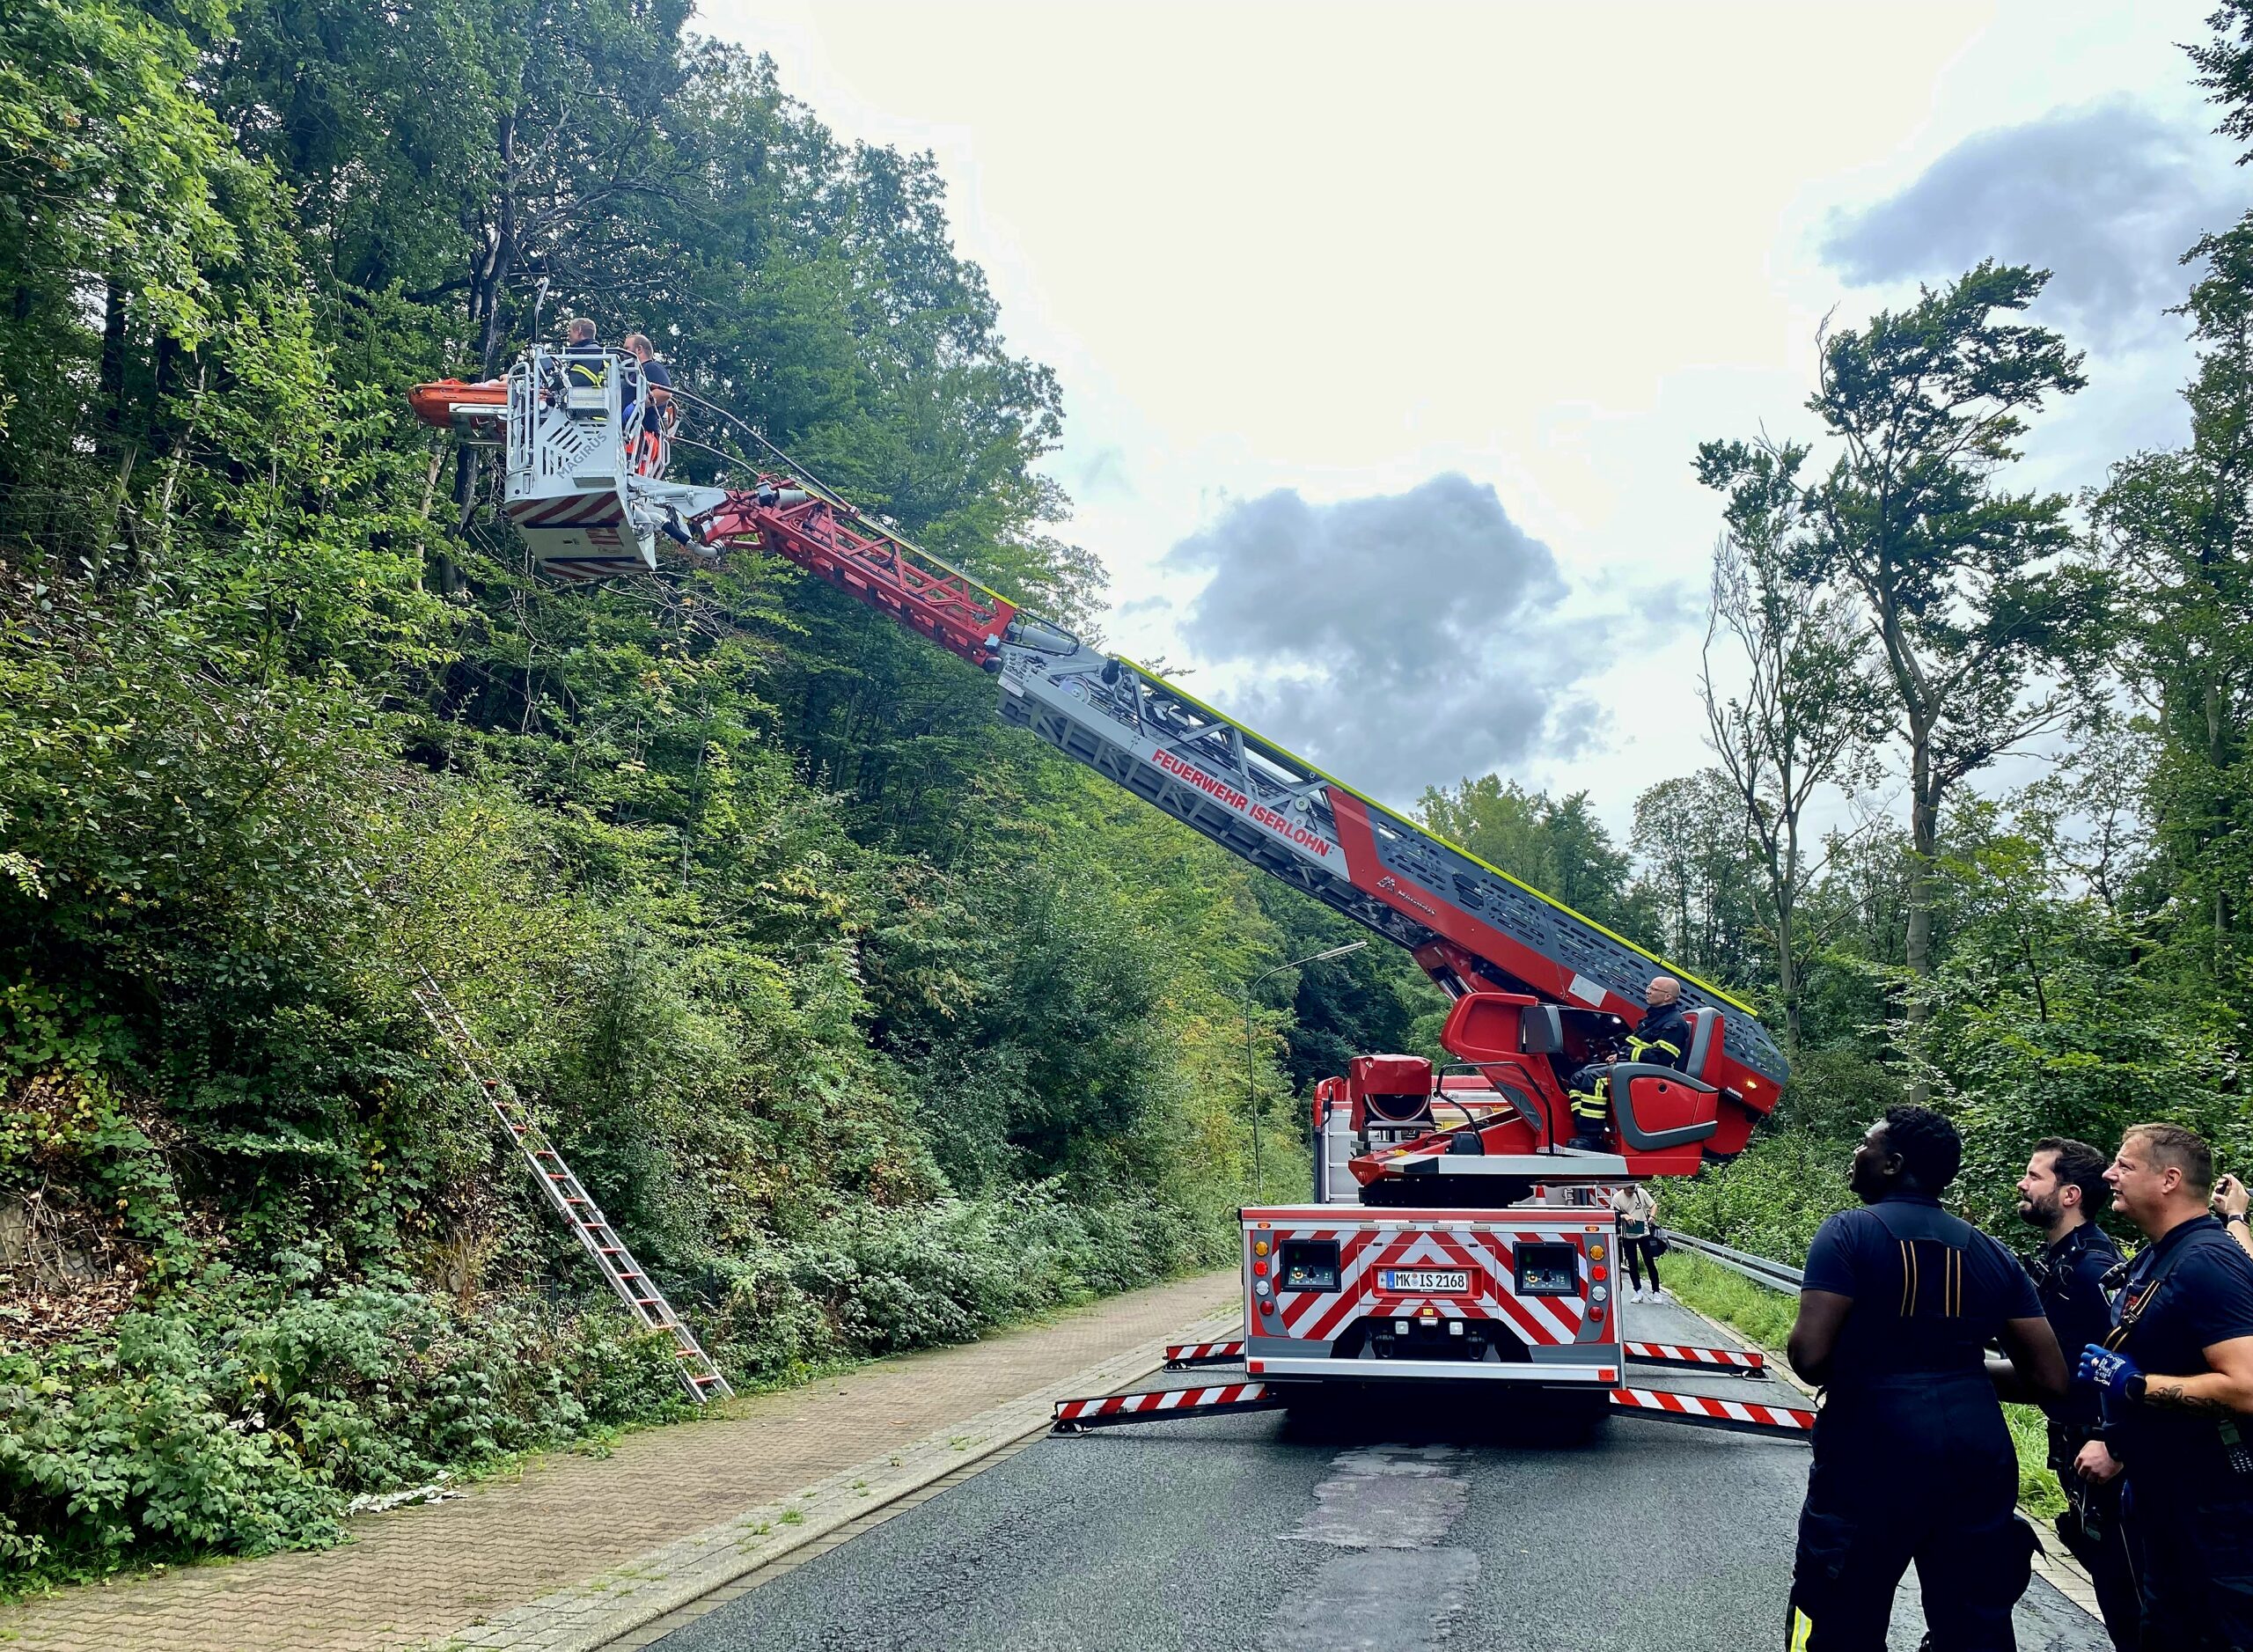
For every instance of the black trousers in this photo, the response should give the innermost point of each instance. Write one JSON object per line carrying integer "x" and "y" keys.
{"x": 2194, "y": 1567}
{"x": 2094, "y": 1533}
{"x": 1910, "y": 1471}
{"x": 1641, "y": 1256}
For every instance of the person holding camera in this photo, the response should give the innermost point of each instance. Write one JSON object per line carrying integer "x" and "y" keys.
{"x": 1636, "y": 1208}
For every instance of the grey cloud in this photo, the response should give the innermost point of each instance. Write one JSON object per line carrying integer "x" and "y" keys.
{"x": 2108, "y": 198}
{"x": 1400, "y": 641}
{"x": 1103, "y": 474}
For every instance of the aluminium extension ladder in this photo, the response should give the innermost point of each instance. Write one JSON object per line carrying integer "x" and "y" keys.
{"x": 636, "y": 1288}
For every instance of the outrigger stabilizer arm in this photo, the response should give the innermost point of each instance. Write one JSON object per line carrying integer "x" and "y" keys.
{"x": 1212, "y": 1400}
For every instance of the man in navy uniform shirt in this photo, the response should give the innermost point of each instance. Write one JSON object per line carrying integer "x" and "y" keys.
{"x": 2177, "y": 1372}
{"x": 1912, "y": 1461}
{"x": 2062, "y": 1191}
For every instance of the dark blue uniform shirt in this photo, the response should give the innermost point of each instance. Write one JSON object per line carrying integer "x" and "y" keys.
{"x": 1929, "y": 1290}
{"x": 2070, "y": 1276}
{"x": 2206, "y": 1297}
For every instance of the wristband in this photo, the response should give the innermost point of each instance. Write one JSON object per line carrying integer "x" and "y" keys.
{"x": 2238, "y": 1215}
{"x": 2135, "y": 1388}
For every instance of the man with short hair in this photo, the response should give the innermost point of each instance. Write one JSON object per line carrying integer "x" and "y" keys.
{"x": 2063, "y": 1188}
{"x": 586, "y": 364}
{"x": 2176, "y": 1373}
{"x": 1912, "y": 1461}
{"x": 1661, "y": 1038}
{"x": 650, "y": 417}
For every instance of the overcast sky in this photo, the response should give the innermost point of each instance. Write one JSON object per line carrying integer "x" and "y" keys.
{"x": 1387, "y": 333}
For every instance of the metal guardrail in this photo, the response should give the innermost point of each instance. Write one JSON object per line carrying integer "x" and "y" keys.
{"x": 1759, "y": 1269}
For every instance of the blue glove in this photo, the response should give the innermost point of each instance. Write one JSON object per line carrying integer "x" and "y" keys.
{"x": 2114, "y": 1373}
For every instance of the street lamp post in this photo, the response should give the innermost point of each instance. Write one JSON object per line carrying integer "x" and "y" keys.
{"x": 1250, "y": 1071}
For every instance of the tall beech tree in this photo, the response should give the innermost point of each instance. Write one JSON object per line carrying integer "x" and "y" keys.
{"x": 1794, "y": 709}
{"x": 1971, "y": 594}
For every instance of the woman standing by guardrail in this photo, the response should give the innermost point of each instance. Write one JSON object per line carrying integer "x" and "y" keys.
{"x": 1637, "y": 1207}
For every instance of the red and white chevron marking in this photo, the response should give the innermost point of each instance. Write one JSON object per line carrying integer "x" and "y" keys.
{"x": 1164, "y": 1402}
{"x": 1202, "y": 1353}
{"x": 1714, "y": 1413}
{"x": 1676, "y": 1353}
{"x": 1539, "y": 1321}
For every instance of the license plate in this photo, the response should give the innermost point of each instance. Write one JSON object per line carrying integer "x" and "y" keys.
{"x": 1424, "y": 1281}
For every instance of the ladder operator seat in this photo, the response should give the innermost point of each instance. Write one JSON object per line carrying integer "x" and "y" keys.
{"x": 1657, "y": 1108}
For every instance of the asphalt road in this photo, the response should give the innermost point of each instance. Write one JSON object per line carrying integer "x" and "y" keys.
{"x": 1266, "y": 1531}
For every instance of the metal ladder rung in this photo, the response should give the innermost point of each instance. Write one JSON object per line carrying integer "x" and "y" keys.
{"x": 594, "y": 1231}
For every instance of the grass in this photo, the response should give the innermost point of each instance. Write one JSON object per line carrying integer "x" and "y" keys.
{"x": 1764, "y": 1316}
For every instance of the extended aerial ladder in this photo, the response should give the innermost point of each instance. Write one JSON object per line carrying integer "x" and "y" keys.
{"x": 1539, "y": 990}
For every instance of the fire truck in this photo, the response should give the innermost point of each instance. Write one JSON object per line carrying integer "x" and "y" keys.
{"x": 1453, "y": 1235}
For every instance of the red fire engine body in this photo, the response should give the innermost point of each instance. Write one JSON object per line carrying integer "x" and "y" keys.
{"x": 1453, "y": 1235}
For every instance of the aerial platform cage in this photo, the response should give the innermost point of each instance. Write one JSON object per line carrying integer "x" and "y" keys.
{"x": 574, "y": 489}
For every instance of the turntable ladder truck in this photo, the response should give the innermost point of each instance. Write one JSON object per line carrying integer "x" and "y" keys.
{"x": 1452, "y": 1236}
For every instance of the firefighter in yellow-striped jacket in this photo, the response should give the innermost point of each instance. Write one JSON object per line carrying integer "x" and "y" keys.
{"x": 1661, "y": 1039}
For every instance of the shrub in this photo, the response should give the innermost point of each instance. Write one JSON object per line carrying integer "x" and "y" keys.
{"x": 243, "y": 1417}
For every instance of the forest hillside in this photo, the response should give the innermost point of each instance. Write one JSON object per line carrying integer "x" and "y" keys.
{"x": 869, "y": 1023}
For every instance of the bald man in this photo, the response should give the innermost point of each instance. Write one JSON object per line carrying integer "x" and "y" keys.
{"x": 1662, "y": 1037}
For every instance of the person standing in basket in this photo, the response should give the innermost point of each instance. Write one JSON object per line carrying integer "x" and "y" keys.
{"x": 1637, "y": 1207}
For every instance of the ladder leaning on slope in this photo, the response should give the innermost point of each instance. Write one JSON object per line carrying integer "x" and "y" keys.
{"x": 636, "y": 1288}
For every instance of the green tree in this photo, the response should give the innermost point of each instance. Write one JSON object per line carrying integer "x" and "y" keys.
{"x": 112, "y": 178}
{"x": 2048, "y": 1016}
{"x": 1796, "y": 710}
{"x": 1969, "y": 590}
{"x": 1696, "y": 878}
{"x": 1555, "y": 845}
{"x": 2177, "y": 534}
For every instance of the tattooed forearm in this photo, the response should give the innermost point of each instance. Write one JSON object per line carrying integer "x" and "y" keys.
{"x": 2178, "y": 1396}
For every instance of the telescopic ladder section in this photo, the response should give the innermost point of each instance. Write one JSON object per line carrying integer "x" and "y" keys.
{"x": 1470, "y": 927}
{"x": 635, "y": 1288}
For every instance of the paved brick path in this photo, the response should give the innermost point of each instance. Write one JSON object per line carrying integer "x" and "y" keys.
{"x": 569, "y": 1526}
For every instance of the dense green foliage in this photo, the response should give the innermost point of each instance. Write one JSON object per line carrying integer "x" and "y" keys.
{"x": 868, "y": 1026}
